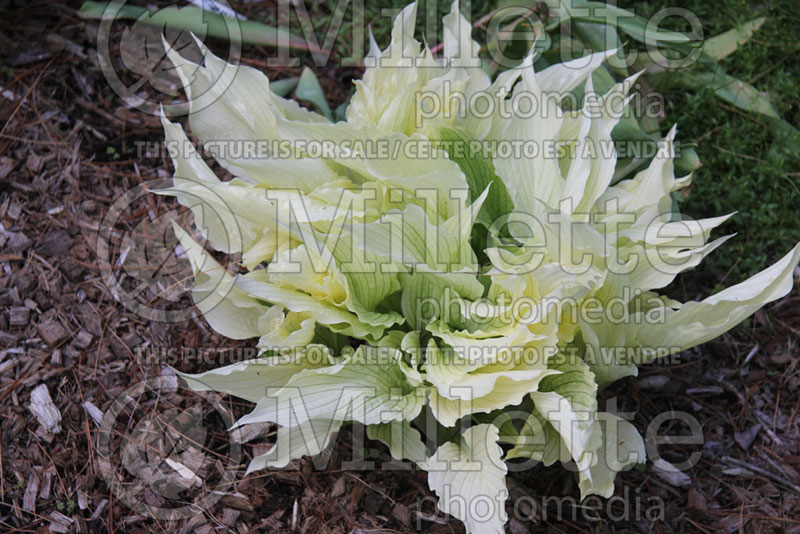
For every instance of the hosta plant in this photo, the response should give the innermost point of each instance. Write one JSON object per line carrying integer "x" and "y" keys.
{"x": 441, "y": 275}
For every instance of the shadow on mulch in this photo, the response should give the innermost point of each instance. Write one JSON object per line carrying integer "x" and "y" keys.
{"x": 68, "y": 152}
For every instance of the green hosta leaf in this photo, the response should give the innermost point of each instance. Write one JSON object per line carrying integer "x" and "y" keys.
{"x": 736, "y": 92}
{"x": 562, "y": 78}
{"x": 622, "y": 19}
{"x": 601, "y": 37}
{"x": 283, "y": 87}
{"x": 637, "y": 143}
{"x": 537, "y": 440}
{"x": 198, "y": 21}
{"x": 480, "y": 175}
{"x": 469, "y": 472}
{"x": 340, "y": 113}
{"x": 687, "y": 161}
{"x": 308, "y": 89}
{"x": 729, "y": 89}
{"x": 723, "y": 45}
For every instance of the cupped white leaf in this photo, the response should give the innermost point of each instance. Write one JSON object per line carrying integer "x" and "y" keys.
{"x": 308, "y": 438}
{"x": 621, "y": 446}
{"x": 282, "y": 331}
{"x": 575, "y": 384}
{"x": 508, "y": 388}
{"x": 404, "y": 441}
{"x": 469, "y": 478}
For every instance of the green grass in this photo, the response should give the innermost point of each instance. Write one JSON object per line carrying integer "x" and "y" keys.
{"x": 746, "y": 167}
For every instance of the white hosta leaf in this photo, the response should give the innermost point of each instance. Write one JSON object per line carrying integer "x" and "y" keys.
{"x": 337, "y": 319}
{"x": 576, "y": 383}
{"x": 430, "y": 174}
{"x": 469, "y": 478}
{"x": 366, "y": 282}
{"x": 227, "y": 307}
{"x": 654, "y": 270}
{"x": 612, "y": 106}
{"x": 227, "y": 102}
{"x": 250, "y": 380}
{"x": 308, "y": 438}
{"x": 649, "y": 188}
{"x": 572, "y": 423}
{"x": 235, "y": 216}
{"x": 367, "y": 387}
{"x": 305, "y": 175}
{"x": 187, "y": 162}
{"x": 193, "y": 183}
{"x": 621, "y": 447}
{"x": 615, "y": 348}
{"x": 566, "y": 404}
{"x": 404, "y": 441}
{"x": 528, "y": 179}
{"x": 459, "y": 48}
{"x": 406, "y": 241}
{"x": 593, "y": 166}
{"x": 538, "y": 440}
{"x": 508, "y": 388}
{"x": 281, "y": 331}
{"x": 698, "y": 322}
{"x": 562, "y": 78}
{"x": 473, "y": 363}
{"x": 385, "y": 97}
{"x": 345, "y": 277}
{"x": 602, "y": 353}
